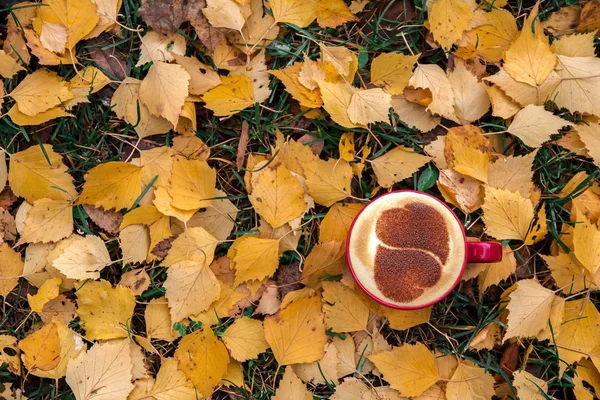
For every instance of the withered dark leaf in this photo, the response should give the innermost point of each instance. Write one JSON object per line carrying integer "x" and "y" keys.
{"x": 109, "y": 220}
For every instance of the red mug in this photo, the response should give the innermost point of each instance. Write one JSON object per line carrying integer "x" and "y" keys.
{"x": 471, "y": 252}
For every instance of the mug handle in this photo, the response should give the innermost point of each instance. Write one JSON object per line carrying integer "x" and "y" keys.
{"x": 484, "y": 252}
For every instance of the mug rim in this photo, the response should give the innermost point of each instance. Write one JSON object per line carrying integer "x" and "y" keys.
{"x": 408, "y": 307}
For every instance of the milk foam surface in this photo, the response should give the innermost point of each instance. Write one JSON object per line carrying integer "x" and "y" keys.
{"x": 363, "y": 245}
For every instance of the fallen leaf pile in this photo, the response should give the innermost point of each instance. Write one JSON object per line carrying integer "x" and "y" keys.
{"x": 186, "y": 266}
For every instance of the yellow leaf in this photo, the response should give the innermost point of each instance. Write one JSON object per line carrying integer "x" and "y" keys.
{"x": 39, "y": 92}
{"x": 346, "y": 146}
{"x": 397, "y": 165}
{"x": 277, "y": 196}
{"x": 530, "y": 58}
{"x": 194, "y": 244}
{"x": 369, "y": 106}
{"x": 471, "y": 100}
{"x": 245, "y": 339}
{"x": 405, "y": 319}
{"x": 321, "y": 371}
{"x": 328, "y": 181}
{"x": 290, "y": 77}
{"x": 507, "y": 215}
{"x": 448, "y": 20}
{"x": 495, "y": 35}
{"x": 11, "y": 268}
{"x": 392, "y": 71}
{"x": 104, "y": 371}
{"x": 107, "y": 12}
{"x": 351, "y": 388}
{"x": 203, "y": 359}
{"x": 114, "y": 184}
{"x": 45, "y": 56}
{"x": 296, "y": 333}
{"x": 291, "y": 388}
{"x": 578, "y": 89}
{"x": 332, "y": 13}
{"x": 41, "y": 349}
{"x": 467, "y": 157}
{"x": 529, "y": 387}
{"x": 298, "y": 12}
{"x": 342, "y": 59}
{"x": 586, "y": 244}
{"x": 590, "y": 136}
{"x": 260, "y": 30}
{"x": 48, "y": 221}
{"x": 325, "y": 260}
{"x": 164, "y": 90}
{"x": 344, "y": 310}
{"x": 48, "y": 291}
{"x": 158, "y": 320}
{"x": 570, "y": 276}
{"x": 12, "y": 360}
{"x": 135, "y": 243}
{"x": 105, "y": 311}
{"x": 409, "y": 369}
{"x": 581, "y": 45}
{"x": 89, "y": 81}
{"x": 157, "y": 163}
{"x": 336, "y": 101}
{"x": 577, "y": 334}
{"x": 470, "y": 382}
{"x": 158, "y": 224}
{"x": 203, "y": 77}
{"x": 83, "y": 259}
{"x": 522, "y": 93}
{"x": 9, "y": 66}
{"x": 224, "y": 14}
{"x": 534, "y": 125}
{"x": 585, "y": 372}
{"x": 494, "y": 273}
{"x": 171, "y": 383}
{"x": 192, "y": 184}
{"x": 157, "y": 47}
{"x": 53, "y": 36}
{"x": 25, "y": 120}
{"x": 234, "y": 94}
{"x": 432, "y": 77}
{"x": 191, "y": 287}
{"x": 218, "y": 219}
{"x": 78, "y": 16}
{"x": 337, "y": 222}
{"x": 513, "y": 173}
{"x": 502, "y": 105}
{"x": 414, "y": 115}
{"x": 529, "y": 309}
{"x": 253, "y": 258}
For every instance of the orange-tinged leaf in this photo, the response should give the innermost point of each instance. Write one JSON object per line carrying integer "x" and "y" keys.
{"x": 41, "y": 349}
{"x": 234, "y": 94}
{"x": 112, "y": 185}
{"x": 253, "y": 258}
{"x": 337, "y": 222}
{"x": 203, "y": 359}
{"x": 405, "y": 319}
{"x": 290, "y": 77}
{"x": 191, "y": 287}
{"x": 296, "y": 333}
{"x": 277, "y": 195}
{"x": 409, "y": 369}
{"x": 397, "y": 165}
{"x": 468, "y": 153}
{"x": 332, "y": 13}
{"x": 105, "y": 311}
{"x": 346, "y": 146}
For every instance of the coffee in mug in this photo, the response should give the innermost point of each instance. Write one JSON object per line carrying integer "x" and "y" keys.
{"x": 408, "y": 250}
